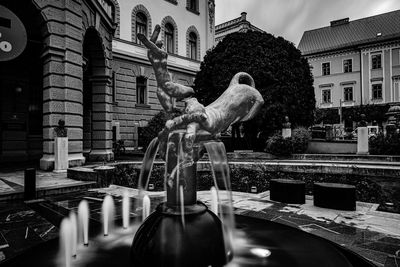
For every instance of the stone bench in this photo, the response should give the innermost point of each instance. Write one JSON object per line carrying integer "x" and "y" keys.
{"x": 335, "y": 196}
{"x": 287, "y": 191}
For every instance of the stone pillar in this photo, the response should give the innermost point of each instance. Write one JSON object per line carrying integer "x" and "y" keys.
{"x": 62, "y": 86}
{"x": 101, "y": 119}
{"x": 60, "y": 154}
{"x": 362, "y": 141}
{"x": 286, "y": 132}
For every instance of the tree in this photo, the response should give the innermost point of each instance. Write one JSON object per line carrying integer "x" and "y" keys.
{"x": 281, "y": 75}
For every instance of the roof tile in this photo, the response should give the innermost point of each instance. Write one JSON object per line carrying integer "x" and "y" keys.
{"x": 357, "y": 32}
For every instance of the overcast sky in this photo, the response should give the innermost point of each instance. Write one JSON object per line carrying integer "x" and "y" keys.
{"x": 290, "y": 18}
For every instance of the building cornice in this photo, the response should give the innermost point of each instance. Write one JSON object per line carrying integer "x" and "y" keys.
{"x": 133, "y": 52}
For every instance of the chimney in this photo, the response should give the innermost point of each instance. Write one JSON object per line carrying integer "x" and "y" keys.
{"x": 243, "y": 15}
{"x": 339, "y": 22}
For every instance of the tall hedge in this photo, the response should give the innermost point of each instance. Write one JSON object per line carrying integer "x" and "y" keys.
{"x": 281, "y": 75}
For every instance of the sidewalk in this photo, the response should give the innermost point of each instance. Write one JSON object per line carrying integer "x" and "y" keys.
{"x": 12, "y": 184}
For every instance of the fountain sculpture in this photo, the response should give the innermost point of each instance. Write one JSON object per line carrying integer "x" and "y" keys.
{"x": 183, "y": 231}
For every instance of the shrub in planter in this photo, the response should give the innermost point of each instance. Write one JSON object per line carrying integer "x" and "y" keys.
{"x": 300, "y": 138}
{"x": 385, "y": 145}
{"x": 126, "y": 175}
{"x": 156, "y": 124}
{"x": 279, "y": 146}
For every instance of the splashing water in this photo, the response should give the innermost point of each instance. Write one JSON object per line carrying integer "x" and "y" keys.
{"x": 74, "y": 233}
{"x": 222, "y": 183}
{"x": 214, "y": 200}
{"x": 145, "y": 172}
{"x": 147, "y": 164}
{"x": 65, "y": 241}
{"x": 125, "y": 210}
{"x": 83, "y": 218}
{"x": 146, "y": 207}
{"x": 107, "y": 211}
{"x": 182, "y": 206}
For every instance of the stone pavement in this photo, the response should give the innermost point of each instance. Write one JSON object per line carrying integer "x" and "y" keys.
{"x": 374, "y": 235}
{"x": 12, "y": 183}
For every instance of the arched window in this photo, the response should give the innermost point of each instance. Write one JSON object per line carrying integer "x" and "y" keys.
{"x": 141, "y": 90}
{"x": 141, "y": 25}
{"x": 169, "y": 38}
{"x": 193, "y": 45}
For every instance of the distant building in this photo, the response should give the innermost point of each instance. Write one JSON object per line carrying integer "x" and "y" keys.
{"x": 80, "y": 61}
{"x": 355, "y": 62}
{"x": 187, "y": 30}
{"x": 240, "y": 24}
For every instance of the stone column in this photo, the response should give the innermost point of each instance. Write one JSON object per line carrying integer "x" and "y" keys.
{"x": 286, "y": 130}
{"x": 362, "y": 141}
{"x": 62, "y": 95}
{"x": 101, "y": 119}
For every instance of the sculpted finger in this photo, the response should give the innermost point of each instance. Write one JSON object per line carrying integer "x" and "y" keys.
{"x": 147, "y": 43}
{"x": 155, "y": 34}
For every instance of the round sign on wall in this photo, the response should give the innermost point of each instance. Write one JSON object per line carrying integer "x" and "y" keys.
{"x": 12, "y": 35}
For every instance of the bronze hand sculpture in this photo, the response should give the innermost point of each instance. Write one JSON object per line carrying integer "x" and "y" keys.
{"x": 240, "y": 101}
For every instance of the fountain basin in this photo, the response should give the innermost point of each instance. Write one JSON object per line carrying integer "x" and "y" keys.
{"x": 287, "y": 246}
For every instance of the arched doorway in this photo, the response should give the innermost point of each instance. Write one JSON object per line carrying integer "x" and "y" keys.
{"x": 94, "y": 90}
{"x": 21, "y": 91}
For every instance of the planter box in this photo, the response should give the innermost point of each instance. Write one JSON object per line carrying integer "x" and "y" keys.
{"x": 332, "y": 147}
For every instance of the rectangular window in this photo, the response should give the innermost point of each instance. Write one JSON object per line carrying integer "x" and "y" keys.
{"x": 192, "y": 5}
{"x": 326, "y": 68}
{"x": 347, "y": 65}
{"x": 348, "y": 93}
{"x": 169, "y": 39}
{"x": 326, "y": 96}
{"x": 141, "y": 90}
{"x": 396, "y": 86}
{"x": 376, "y": 61}
{"x": 377, "y": 91}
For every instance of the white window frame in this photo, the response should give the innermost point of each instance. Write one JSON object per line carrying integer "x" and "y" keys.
{"x": 351, "y": 59}
{"x": 377, "y": 54}
{"x": 330, "y": 96}
{"x": 352, "y": 89}
{"x": 322, "y": 69}
{"x": 372, "y": 92}
{"x": 396, "y": 81}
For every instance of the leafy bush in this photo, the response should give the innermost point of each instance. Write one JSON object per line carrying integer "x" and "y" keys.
{"x": 281, "y": 74}
{"x": 385, "y": 145}
{"x": 156, "y": 124}
{"x": 300, "y": 138}
{"x": 125, "y": 175}
{"x": 279, "y": 146}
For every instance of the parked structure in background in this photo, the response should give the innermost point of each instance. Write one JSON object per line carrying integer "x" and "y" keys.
{"x": 355, "y": 62}
{"x": 240, "y": 24}
{"x": 83, "y": 63}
